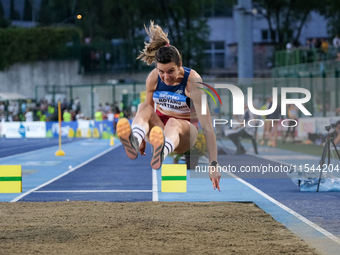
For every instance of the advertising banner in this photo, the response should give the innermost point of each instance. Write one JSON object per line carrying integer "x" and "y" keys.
{"x": 35, "y": 129}
{"x": 68, "y": 129}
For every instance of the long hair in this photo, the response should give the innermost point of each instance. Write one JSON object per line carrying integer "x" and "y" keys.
{"x": 154, "y": 51}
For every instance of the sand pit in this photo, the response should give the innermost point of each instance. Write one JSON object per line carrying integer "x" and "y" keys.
{"x": 143, "y": 228}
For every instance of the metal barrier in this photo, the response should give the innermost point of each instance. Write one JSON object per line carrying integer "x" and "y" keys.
{"x": 314, "y": 69}
{"x": 91, "y": 95}
{"x": 304, "y": 56}
{"x": 324, "y": 91}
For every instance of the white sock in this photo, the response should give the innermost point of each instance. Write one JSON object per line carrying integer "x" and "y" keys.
{"x": 168, "y": 147}
{"x": 139, "y": 132}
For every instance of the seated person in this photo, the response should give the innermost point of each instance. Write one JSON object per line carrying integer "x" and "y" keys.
{"x": 292, "y": 114}
{"x": 336, "y": 133}
{"x": 244, "y": 131}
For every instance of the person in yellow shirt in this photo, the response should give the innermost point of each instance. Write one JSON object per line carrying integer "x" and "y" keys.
{"x": 98, "y": 116}
{"x": 67, "y": 116}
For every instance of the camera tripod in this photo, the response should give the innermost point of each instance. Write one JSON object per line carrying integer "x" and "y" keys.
{"x": 327, "y": 147}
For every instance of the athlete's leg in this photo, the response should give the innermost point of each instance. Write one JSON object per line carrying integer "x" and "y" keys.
{"x": 147, "y": 118}
{"x": 132, "y": 136}
{"x": 178, "y": 136}
{"x": 182, "y": 133}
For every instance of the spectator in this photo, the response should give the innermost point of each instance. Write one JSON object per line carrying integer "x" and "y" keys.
{"x": 67, "y": 116}
{"x": 98, "y": 116}
{"x": 315, "y": 43}
{"x": 3, "y": 118}
{"x": 107, "y": 107}
{"x": 76, "y": 105}
{"x": 110, "y": 115}
{"x": 64, "y": 105}
{"x": 245, "y": 131}
{"x": 267, "y": 124}
{"x": 80, "y": 116}
{"x": 10, "y": 117}
{"x": 336, "y": 133}
{"x": 293, "y": 115}
{"x": 29, "y": 115}
{"x": 2, "y": 107}
{"x": 276, "y": 115}
{"x": 289, "y": 46}
{"x": 336, "y": 44}
{"x": 101, "y": 107}
{"x": 73, "y": 115}
{"x": 108, "y": 60}
{"x": 324, "y": 48}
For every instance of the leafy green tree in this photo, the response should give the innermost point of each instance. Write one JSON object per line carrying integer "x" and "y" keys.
{"x": 3, "y": 21}
{"x": 188, "y": 29}
{"x": 27, "y": 11}
{"x": 183, "y": 19}
{"x": 287, "y": 17}
{"x": 331, "y": 11}
{"x": 57, "y": 12}
{"x": 124, "y": 20}
{"x": 14, "y": 14}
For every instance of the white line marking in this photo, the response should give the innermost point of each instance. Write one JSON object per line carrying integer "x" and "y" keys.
{"x": 287, "y": 209}
{"x": 28, "y": 152}
{"x": 154, "y": 185}
{"x": 87, "y": 191}
{"x": 67, "y": 172}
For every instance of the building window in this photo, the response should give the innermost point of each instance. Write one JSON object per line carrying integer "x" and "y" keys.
{"x": 219, "y": 8}
{"x": 215, "y": 54}
{"x": 267, "y": 35}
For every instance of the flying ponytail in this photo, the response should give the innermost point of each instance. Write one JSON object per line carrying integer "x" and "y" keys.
{"x": 157, "y": 40}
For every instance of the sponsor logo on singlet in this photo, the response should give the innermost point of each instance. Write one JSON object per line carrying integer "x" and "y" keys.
{"x": 171, "y": 101}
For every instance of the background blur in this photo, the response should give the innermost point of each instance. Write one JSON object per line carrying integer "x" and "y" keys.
{"x": 83, "y": 52}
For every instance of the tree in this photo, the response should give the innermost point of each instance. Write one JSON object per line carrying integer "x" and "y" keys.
{"x": 188, "y": 30}
{"x": 183, "y": 19}
{"x": 331, "y": 11}
{"x": 3, "y": 21}
{"x": 14, "y": 14}
{"x": 27, "y": 10}
{"x": 287, "y": 17}
{"x": 53, "y": 12}
{"x": 124, "y": 20}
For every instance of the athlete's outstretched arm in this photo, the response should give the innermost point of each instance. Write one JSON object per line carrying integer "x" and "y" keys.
{"x": 206, "y": 123}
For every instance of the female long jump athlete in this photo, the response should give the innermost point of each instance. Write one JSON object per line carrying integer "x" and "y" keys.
{"x": 167, "y": 128}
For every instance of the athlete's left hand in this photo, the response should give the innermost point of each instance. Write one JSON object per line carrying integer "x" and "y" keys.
{"x": 142, "y": 148}
{"x": 215, "y": 177}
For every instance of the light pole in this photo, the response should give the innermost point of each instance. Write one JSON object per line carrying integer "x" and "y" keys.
{"x": 245, "y": 39}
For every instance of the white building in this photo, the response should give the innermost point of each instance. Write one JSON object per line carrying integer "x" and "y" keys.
{"x": 221, "y": 50}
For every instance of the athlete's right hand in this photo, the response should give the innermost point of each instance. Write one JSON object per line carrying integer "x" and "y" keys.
{"x": 142, "y": 148}
{"x": 215, "y": 177}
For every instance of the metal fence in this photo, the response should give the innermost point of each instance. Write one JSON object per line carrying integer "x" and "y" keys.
{"x": 324, "y": 94}
{"x": 303, "y": 56}
{"x": 91, "y": 95}
{"x": 314, "y": 69}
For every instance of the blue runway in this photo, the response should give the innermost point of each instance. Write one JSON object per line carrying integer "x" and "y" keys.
{"x": 92, "y": 170}
{"x": 14, "y": 146}
{"x": 101, "y": 180}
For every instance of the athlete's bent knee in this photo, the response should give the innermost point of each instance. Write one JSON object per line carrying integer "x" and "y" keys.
{"x": 144, "y": 106}
{"x": 173, "y": 124}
